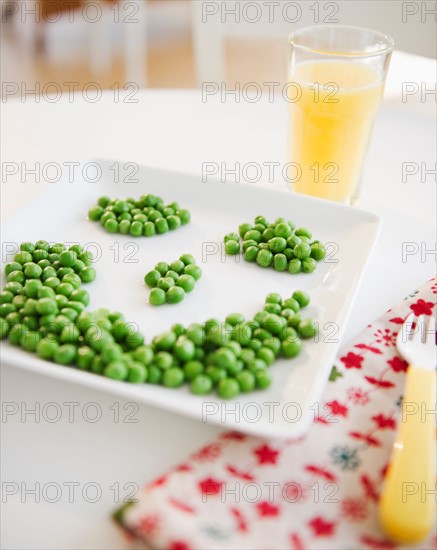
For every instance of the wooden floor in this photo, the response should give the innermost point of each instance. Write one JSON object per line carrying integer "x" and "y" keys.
{"x": 170, "y": 65}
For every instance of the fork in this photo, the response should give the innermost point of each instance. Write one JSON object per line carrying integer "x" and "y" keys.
{"x": 407, "y": 505}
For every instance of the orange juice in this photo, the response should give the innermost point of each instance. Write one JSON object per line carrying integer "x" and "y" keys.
{"x": 331, "y": 120}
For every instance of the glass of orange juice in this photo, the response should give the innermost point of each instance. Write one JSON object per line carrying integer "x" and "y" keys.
{"x": 336, "y": 83}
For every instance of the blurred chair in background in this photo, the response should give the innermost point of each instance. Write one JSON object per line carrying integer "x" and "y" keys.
{"x": 258, "y": 22}
{"x": 96, "y": 23}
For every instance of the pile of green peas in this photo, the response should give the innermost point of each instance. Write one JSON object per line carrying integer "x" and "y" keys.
{"x": 45, "y": 313}
{"x": 43, "y": 310}
{"x": 235, "y": 355}
{"x": 147, "y": 216}
{"x": 171, "y": 282}
{"x": 279, "y": 245}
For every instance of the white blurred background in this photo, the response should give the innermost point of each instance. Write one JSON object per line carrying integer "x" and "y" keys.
{"x": 180, "y": 43}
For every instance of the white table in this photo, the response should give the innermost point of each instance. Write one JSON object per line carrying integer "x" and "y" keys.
{"x": 175, "y": 130}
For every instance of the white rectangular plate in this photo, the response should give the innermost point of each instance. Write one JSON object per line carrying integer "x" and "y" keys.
{"x": 228, "y": 284}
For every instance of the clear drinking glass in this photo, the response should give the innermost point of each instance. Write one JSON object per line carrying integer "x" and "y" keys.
{"x": 337, "y": 76}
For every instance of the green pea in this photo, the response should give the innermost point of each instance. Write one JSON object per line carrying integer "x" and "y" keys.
{"x": 165, "y": 341}
{"x": 196, "y": 334}
{"x": 231, "y": 237}
{"x": 291, "y": 303}
{"x": 103, "y": 202}
{"x": 124, "y": 227}
{"x": 16, "y": 277}
{"x": 261, "y": 333}
{"x": 31, "y": 322}
{"x": 283, "y": 230}
{"x": 57, "y": 248}
{"x": 308, "y": 328}
{"x": 184, "y": 349}
{"x": 174, "y": 222}
{"x": 16, "y": 333}
{"x": 13, "y": 266}
{"x": 256, "y": 365}
{"x": 31, "y": 288}
{"x": 6, "y": 297}
{"x": 277, "y": 244}
{"x": 87, "y": 275}
{"x": 246, "y": 380}
{"x": 184, "y": 215}
{"x": 232, "y": 247}
{"x": 303, "y": 232}
{"x": 301, "y": 297}
{"x": 264, "y": 258}
{"x": 154, "y": 374}
{"x": 225, "y": 358}
{"x": 23, "y": 257}
{"x": 27, "y": 247}
{"x": 70, "y": 334}
{"x": 14, "y": 287}
{"x": 162, "y": 268}
{"x": 95, "y": 213}
{"x": 43, "y": 263}
{"x": 318, "y": 252}
{"x": 251, "y": 253}
{"x": 192, "y": 369}
{"x": 228, "y": 388}
{"x": 111, "y": 352}
{"x": 136, "y": 229}
{"x": 157, "y": 297}
{"x": 215, "y": 373}
{"x": 116, "y": 370}
{"x": 187, "y": 282}
{"x": 244, "y": 228}
{"x": 173, "y": 378}
{"x": 29, "y": 340}
{"x": 68, "y": 258}
{"x": 178, "y": 329}
{"x": 273, "y": 308}
{"x": 177, "y": 266}
{"x": 174, "y": 295}
{"x": 247, "y": 355}
{"x": 172, "y": 274}
{"x": 46, "y": 306}
{"x": 235, "y": 319}
{"x": 248, "y": 243}
{"x": 242, "y": 333}
{"x": 266, "y": 354}
{"x": 302, "y": 250}
{"x": 161, "y": 226}
{"x": 201, "y": 385}
{"x": 73, "y": 279}
{"x": 272, "y": 343}
{"x": 259, "y": 227}
{"x": 268, "y": 234}
{"x": 137, "y": 373}
{"x": 194, "y": 271}
{"x": 144, "y": 354}
{"x": 253, "y": 235}
{"x": 294, "y": 266}
{"x": 4, "y": 328}
{"x": 154, "y": 215}
{"x": 149, "y": 229}
{"x": 135, "y": 340}
{"x": 140, "y": 218}
{"x": 262, "y": 379}
{"x": 291, "y": 347}
{"x": 81, "y": 296}
{"x": 46, "y": 348}
{"x": 163, "y": 360}
{"x": 165, "y": 283}
{"x": 261, "y": 220}
{"x": 264, "y": 246}
{"x": 97, "y": 365}
{"x": 152, "y": 278}
{"x": 274, "y": 323}
{"x": 280, "y": 262}
{"x": 110, "y": 224}
{"x": 309, "y": 265}
{"x": 85, "y": 357}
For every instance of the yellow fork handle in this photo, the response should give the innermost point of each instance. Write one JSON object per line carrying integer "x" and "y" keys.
{"x": 407, "y": 508}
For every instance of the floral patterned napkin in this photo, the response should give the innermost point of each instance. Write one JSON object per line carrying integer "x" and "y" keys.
{"x": 317, "y": 492}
